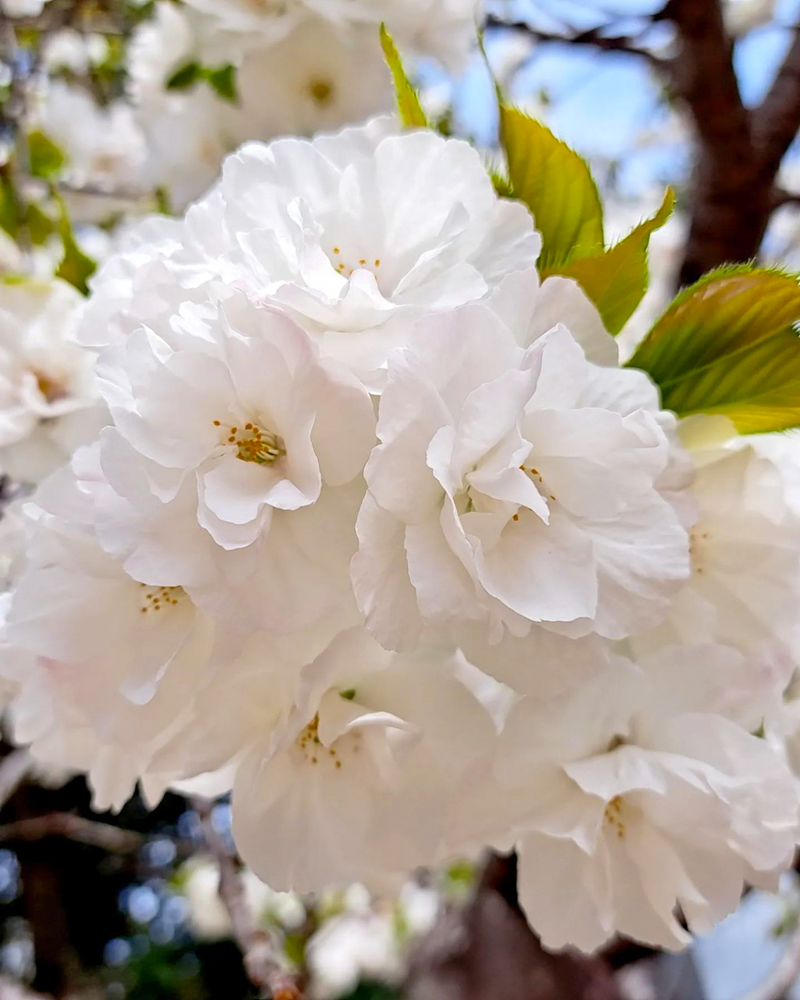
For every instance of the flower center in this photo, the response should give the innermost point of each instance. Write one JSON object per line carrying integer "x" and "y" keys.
{"x": 253, "y": 443}
{"x": 49, "y": 387}
{"x": 156, "y": 598}
{"x": 313, "y": 751}
{"x": 697, "y": 549}
{"x": 347, "y": 265}
{"x": 321, "y": 91}
{"x": 614, "y": 816}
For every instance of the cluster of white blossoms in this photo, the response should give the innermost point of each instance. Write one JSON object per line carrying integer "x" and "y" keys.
{"x": 382, "y": 539}
{"x": 295, "y": 68}
{"x": 204, "y": 76}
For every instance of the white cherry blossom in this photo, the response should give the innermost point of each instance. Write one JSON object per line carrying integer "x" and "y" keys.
{"x": 236, "y": 450}
{"x": 354, "y": 235}
{"x": 514, "y": 486}
{"x": 48, "y": 397}
{"x": 744, "y": 588}
{"x": 345, "y": 762}
{"x": 641, "y": 792}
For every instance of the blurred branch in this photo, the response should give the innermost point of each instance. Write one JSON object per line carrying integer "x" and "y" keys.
{"x": 594, "y": 37}
{"x": 264, "y": 970}
{"x": 71, "y": 827}
{"x": 731, "y": 198}
{"x": 776, "y": 121}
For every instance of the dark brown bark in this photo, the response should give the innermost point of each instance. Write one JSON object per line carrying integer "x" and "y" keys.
{"x": 731, "y": 193}
{"x": 486, "y": 950}
{"x": 776, "y": 121}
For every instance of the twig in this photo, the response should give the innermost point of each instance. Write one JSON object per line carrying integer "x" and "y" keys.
{"x": 783, "y": 975}
{"x": 593, "y": 37}
{"x": 263, "y": 969}
{"x": 85, "y": 831}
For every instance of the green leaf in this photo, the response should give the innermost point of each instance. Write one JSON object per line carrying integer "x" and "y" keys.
{"x": 729, "y": 345}
{"x": 616, "y": 279}
{"x": 408, "y": 105}
{"x": 223, "y": 82}
{"x": 185, "y": 77}
{"x": 45, "y": 158}
{"x": 9, "y": 207}
{"x": 501, "y": 185}
{"x": 75, "y": 266}
{"x": 556, "y": 185}
{"x": 39, "y": 224}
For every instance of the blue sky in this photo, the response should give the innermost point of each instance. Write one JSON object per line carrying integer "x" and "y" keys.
{"x": 601, "y": 101}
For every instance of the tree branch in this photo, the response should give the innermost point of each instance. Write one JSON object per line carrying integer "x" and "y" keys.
{"x": 777, "y": 119}
{"x": 731, "y": 198}
{"x": 110, "y": 838}
{"x": 263, "y": 969}
{"x": 593, "y": 37}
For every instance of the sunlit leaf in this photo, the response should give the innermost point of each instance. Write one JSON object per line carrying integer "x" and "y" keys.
{"x": 223, "y": 82}
{"x": 45, "y": 159}
{"x": 9, "y": 207}
{"x": 75, "y": 266}
{"x": 408, "y": 104}
{"x": 730, "y": 345}
{"x": 556, "y": 185}
{"x": 617, "y": 278}
{"x": 39, "y": 224}
{"x": 185, "y": 77}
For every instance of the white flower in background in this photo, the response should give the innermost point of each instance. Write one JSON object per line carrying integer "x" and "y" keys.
{"x": 187, "y": 132}
{"x": 103, "y": 148}
{"x": 48, "y": 397}
{"x": 744, "y": 588}
{"x": 198, "y": 882}
{"x": 320, "y": 80}
{"x": 10, "y": 255}
{"x": 73, "y": 50}
{"x": 22, "y": 8}
{"x": 188, "y": 136}
{"x": 299, "y": 69}
{"x": 514, "y": 486}
{"x": 351, "y": 948}
{"x": 173, "y": 37}
{"x": 268, "y": 20}
{"x": 641, "y": 792}
{"x": 232, "y": 452}
{"x": 444, "y": 29}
